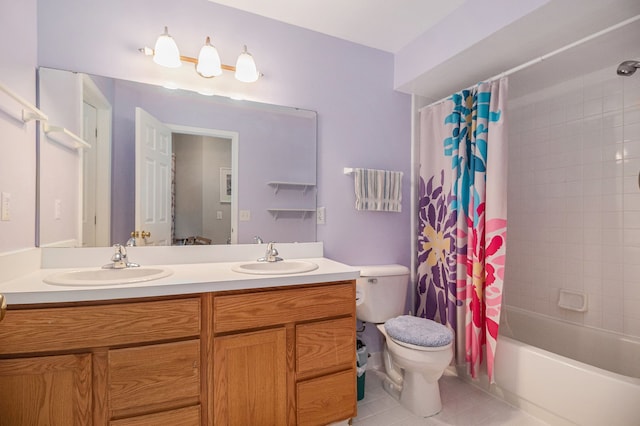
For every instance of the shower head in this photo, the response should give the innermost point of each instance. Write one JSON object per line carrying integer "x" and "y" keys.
{"x": 628, "y": 67}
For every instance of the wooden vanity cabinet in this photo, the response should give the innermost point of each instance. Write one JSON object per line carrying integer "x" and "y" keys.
{"x": 277, "y": 356}
{"x": 284, "y": 356}
{"x": 115, "y": 363}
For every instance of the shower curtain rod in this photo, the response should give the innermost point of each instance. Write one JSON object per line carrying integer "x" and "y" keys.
{"x": 547, "y": 56}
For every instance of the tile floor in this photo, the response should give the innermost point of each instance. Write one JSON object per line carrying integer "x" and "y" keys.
{"x": 463, "y": 405}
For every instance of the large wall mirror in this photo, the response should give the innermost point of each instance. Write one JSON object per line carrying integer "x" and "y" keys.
{"x": 188, "y": 168}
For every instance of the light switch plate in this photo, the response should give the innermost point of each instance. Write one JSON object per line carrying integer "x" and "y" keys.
{"x": 5, "y": 206}
{"x": 57, "y": 209}
{"x": 320, "y": 215}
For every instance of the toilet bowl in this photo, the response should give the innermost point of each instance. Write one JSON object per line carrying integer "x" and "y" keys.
{"x": 413, "y": 372}
{"x": 411, "y": 368}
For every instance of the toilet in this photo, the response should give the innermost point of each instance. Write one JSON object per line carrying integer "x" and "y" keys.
{"x": 416, "y": 350}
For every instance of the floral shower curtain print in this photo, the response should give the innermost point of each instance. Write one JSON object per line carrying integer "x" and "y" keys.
{"x": 463, "y": 218}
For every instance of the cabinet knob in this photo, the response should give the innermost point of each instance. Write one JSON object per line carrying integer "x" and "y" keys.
{"x": 3, "y": 306}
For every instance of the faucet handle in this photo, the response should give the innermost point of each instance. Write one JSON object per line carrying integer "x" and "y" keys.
{"x": 272, "y": 253}
{"x": 117, "y": 256}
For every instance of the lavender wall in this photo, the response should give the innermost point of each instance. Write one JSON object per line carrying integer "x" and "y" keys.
{"x": 17, "y": 139}
{"x": 362, "y": 121}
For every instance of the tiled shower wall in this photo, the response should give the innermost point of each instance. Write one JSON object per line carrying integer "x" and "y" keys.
{"x": 574, "y": 200}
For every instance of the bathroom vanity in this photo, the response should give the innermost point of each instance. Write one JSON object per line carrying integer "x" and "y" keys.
{"x": 277, "y": 350}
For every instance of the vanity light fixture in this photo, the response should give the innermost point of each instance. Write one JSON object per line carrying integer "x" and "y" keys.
{"x": 207, "y": 64}
{"x": 166, "y": 51}
{"x": 246, "y": 67}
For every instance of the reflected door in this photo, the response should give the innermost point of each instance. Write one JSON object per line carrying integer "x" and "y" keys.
{"x": 153, "y": 180}
{"x": 89, "y": 167}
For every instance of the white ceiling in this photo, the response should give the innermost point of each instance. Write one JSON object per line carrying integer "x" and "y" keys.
{"x": 390, "y": 25}
{"x": 381, "y": 24}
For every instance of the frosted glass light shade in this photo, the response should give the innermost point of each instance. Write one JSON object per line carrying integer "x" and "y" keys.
{"x": 209, "y": 61}
{"x": 246, "y": 68}
{"x": 166, "y": 52}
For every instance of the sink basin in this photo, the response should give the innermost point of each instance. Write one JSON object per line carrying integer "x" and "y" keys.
{"x": 98, "y": 277}
{"x": 275, "y": 268}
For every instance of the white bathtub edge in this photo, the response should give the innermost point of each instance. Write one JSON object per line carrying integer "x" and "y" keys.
{"x": 529, "y": 407}
{"x": 509, "y": 398}
{"x": 565, "y": 388}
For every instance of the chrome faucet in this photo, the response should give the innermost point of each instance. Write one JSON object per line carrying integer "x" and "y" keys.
{"x": 258, "y": 240}
{"x": 271, "y": 255}
{"x": 119, "y": 259}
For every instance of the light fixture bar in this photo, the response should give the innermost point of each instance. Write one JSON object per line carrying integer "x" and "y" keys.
{"x": 147, "y": 51}
{"x": 195, "y": 61}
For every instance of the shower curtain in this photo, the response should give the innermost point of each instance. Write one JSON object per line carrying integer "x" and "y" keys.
{"x": 462, "y": 218}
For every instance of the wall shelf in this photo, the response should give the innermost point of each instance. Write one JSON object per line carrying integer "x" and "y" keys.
{"x": 29, "y": 112}
{"x": 65, "y": 137}
{"x": 276, "y": 212}
{"x": 293, "y": 185}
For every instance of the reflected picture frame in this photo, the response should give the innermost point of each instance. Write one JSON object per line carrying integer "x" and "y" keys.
{"x": 225, "y": 184}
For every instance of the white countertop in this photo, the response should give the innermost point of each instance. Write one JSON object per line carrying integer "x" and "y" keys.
{"x": 185, "y": 279}
{"x": 192, "y": 272}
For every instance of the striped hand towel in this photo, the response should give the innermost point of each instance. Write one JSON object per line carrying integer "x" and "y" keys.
{"x": 378, "y": 190}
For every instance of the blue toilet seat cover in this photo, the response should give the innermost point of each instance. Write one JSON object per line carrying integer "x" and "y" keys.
{"x": 418, "y": 331}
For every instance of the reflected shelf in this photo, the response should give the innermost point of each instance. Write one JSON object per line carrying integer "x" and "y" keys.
{"x": 277, "y": 212}
{"x": 293, "y": 185}
{"x": 65, "y": 137}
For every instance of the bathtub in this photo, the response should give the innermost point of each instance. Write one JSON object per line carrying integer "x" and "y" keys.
{"x": 567, "y": 374}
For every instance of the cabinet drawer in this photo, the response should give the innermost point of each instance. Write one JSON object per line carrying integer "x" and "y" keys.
{"x": 189, "y": 416}
{"x": 327, "y": 399}
{"x": 149, "y": 378}
{"x": 79, "y": 327}
{"x": 268, "y": 308}
{"x": 325, "y": 344}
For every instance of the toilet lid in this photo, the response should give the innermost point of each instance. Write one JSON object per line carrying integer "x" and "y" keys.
{"x": 418, "y": 331}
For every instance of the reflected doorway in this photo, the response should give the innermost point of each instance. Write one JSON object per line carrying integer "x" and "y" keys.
{"x": 182, "y": 187}
{"x": 96, "y": 166}
{"x": 201, "y": 189}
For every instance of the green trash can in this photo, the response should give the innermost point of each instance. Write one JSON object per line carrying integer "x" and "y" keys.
{"x": 362, "y": 356}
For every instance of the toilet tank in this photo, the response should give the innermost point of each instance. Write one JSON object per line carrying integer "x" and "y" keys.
{"x": 381, "y": 292}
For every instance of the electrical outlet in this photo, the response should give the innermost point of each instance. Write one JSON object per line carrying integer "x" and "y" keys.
{"x": 245, "y": 215}
{"x": 5, "y": 206}
{"x": 219, "y": 215}
{"x": 320, "y": 215}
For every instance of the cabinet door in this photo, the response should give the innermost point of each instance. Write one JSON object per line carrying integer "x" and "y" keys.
{"x": 250, "y": 378}
{"x": 48, "y": 390}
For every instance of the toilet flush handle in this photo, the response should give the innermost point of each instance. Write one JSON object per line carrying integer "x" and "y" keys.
{"x": 372, "y": 280}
